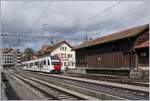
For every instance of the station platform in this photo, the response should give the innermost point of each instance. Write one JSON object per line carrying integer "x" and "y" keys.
{"x": 16, "y": 90}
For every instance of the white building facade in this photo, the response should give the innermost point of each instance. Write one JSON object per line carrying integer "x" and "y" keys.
{"x": 63, "y": 51}
{"x": 66, "y": 55}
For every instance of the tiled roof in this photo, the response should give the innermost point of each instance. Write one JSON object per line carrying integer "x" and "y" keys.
{"x": 115, "y": 36}
{"x": 49, "y": 48}
{"x": 59, "y": 44}
{"x": 9, "y": 50}
{"x": 45, "y": 48}
{"x": 143, "y": 45}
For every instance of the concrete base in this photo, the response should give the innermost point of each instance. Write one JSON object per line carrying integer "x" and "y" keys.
{"x": 77, "y": 71}
{"x": 135, "y": 75}
{"x": 139, "y": 76}
{"x": 3, "y": 93}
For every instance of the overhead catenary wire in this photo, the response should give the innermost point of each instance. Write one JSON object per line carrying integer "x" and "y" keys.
{"x": 130, "y": 21}
{"x": 34, "y": 13}
{"x": 100, "y": 13}
{"x": 37, "y": 20}
{"x": 31, "y": 17}
{"x": 120, "y": 24}
{"x": 37, "y": 36}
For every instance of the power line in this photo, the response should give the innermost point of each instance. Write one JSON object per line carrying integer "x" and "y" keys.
{"x": 36, "y": 36}
{"x": 88, "y": 19}
{"x": 32, "y": 17}
{"x": 130, "y": 21}
{"x": 39, "y": 17}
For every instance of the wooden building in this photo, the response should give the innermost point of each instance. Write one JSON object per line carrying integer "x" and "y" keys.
{"x": 142, "y": 51}
{"x": 115, "y": 54}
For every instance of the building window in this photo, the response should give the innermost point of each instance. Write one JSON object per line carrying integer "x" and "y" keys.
{"x": 63, "y": 55}
{"x": 63, "y": 48}
{"x": 115, "y": 46}
{"x": 68, "y": 63}
{"x": 69, "y": 55}
{"x": 143, "y": 54}
{"x": 65, "y": 64}
{"x": 72, "y": 63}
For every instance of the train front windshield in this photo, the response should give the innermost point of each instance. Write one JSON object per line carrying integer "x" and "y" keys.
{"x": 56, "y": 63}
{"x": 55, "y": 60}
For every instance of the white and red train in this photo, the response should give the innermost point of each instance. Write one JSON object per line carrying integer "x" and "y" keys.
{"x": 50, "y": 64}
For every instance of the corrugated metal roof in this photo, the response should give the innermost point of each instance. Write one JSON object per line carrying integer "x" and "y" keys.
{"x": 115, "y": 36}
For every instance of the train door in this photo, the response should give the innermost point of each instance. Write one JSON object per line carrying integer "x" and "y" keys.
{"x": 44, "y": 65}
{"x": 40, "y": 65}
{"x": 55, "y": 63}
{"x": 48, "y": 68}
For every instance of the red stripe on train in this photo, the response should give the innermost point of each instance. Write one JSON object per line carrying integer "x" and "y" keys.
{"x": 57, "y": 67}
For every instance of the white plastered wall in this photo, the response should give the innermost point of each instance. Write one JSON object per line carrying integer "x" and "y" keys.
{"x": 67, "y": 51}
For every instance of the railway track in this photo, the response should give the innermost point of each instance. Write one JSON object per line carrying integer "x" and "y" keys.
{"x": 50, "y": 92}
{"x": 110, "y": 78}
{"x": 116, "y": 91}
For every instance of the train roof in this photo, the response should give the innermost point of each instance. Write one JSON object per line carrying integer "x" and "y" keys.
{"x": 36, "y": 59}
{"x": 46, "y": 57}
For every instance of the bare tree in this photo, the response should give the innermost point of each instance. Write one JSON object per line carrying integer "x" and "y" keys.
{"x": 28, "y": 53}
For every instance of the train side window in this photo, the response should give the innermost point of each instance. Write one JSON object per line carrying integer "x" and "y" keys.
{"x": 48, "y": 62}
{"x": 30, "y": 65}
{"x": 44, "y": 62}
{"x": 36, "y": 63}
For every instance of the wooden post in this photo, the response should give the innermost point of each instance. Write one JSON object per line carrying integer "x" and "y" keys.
{"x": 137, "y": 61}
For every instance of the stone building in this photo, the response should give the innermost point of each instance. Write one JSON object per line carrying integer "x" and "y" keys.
{"x": 9, "y": 57}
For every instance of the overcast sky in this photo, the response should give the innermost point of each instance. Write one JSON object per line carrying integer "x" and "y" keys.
{"x": 70, "y": 19}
